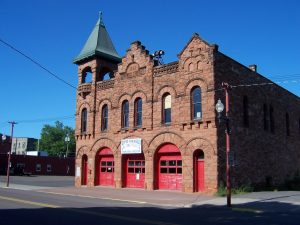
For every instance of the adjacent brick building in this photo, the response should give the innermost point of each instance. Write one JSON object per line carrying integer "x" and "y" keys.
{"x": 168, "y": 113}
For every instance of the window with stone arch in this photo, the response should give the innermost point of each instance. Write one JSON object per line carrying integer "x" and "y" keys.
{"x": 196, "y": 103}
{"x": 125, "y": 114}
{"x": 138, "y": 112}
{"x": 84, "y": 121}
{"x": 166, "y": 108}
{"x": 86, "y": 76}
{"x": 104, "y": 118}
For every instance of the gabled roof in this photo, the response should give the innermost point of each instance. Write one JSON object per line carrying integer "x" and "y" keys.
{"x": 98, "y": 44}
{"x": 195, "y": 35}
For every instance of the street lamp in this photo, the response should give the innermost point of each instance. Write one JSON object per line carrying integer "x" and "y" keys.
{"x": 67, "y": 139}
{"x": 3, "y": 137}
{"x": 219, "y": 109}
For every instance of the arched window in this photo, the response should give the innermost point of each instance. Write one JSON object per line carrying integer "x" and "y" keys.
{"x": 84, "y": 120}
{"x": 86, "y": 76}
{"x": 125, "y": 114}
{"x": 196, "y": 103}
{"x": 287, "y": 124}
{"x": 138, "y": 112}
{"x": 104, "y": 118}
{"x": 166, "y": 108}
{"x": 245, "y": 111}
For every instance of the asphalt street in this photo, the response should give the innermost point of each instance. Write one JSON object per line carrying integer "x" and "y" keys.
{"x": 67, "y": 205}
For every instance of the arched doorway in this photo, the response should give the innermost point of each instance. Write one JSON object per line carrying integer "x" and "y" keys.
{"x": 169, "y": 167}
{"x": 134, "y": 170}
{"x": 84, "y": 169}
{"x": 199, "y": 182}
{"x": 104, "y": 167}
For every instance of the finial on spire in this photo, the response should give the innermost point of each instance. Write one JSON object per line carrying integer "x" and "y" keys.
{"x": 100, "y": 18}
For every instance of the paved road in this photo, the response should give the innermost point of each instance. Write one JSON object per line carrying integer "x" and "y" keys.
{"x": 35, "y": 207}
{"x": 42, "y": 200}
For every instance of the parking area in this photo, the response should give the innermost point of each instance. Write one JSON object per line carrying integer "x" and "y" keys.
{"x": 33, "y": 182}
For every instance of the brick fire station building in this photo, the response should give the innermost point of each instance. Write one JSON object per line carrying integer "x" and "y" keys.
{"x": 145, "y": 125}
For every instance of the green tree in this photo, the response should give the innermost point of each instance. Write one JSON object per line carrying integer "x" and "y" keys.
{"x": 53, "y": 139}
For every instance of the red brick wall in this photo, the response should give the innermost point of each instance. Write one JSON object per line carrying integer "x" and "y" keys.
{"x": 258, "y": 153}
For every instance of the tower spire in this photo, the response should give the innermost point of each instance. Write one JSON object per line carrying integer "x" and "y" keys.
{"x": 101, "y": 18}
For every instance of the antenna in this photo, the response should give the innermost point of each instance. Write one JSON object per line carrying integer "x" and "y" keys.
{"x": 158, "y": 57}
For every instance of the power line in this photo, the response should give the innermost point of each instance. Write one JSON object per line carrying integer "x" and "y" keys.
{"x": 39, "y": 120}
{"x": 37, "y": 63}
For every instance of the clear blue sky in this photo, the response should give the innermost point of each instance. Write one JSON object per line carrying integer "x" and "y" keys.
{"x": 52, "y": 32}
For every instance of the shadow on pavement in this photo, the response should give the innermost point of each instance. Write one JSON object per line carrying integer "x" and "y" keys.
{"x": 264, "y": 213}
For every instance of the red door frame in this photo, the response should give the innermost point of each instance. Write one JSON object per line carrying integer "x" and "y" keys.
{"x": 168, "y": 168}
{"x": 134, "y": 170}
{"x": 84, "y": 171}
{"x": 199, "y": 175}
{"x": 104, "y": 174}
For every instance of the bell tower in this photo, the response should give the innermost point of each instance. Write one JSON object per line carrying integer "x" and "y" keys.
{"x": 96, "y": 62}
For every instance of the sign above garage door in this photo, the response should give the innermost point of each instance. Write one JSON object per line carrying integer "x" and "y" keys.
{"x": 131, "y": 146}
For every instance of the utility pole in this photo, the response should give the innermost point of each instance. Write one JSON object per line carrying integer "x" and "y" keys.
{"x": 228, "y": 154}
{"x": 9, "y": 153}
{"x": 226, "y": 119}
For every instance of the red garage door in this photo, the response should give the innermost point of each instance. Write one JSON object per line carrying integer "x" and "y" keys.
{"x": 105, "y": 167}
{"x": 169, "y": 168}
{"x": 135, "y": 171}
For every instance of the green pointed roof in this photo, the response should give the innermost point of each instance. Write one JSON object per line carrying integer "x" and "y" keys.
{"x": 98, "y": 44}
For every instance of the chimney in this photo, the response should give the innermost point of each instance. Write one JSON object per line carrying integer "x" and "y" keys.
{"x": 253, "y": 67}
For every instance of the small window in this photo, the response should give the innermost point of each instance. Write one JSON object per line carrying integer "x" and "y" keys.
{"x": 104, "y": 118}
{"x": 38, "y": 167}
{"x": 125, "y": 114}
{"x": 138, "y": 111}
{"x": 196, "y": 103}
{"x": 167, "y": 106}
{"x": 271, "y": 115}
{"x": 245, "y": 111}
{"x": 84, "y": 121}
{"x": 265, "y": 120}
{"x": 287, "y": 124}
{"x": 49, "y": 168}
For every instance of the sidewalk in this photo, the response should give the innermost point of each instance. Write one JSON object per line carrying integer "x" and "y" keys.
{"x": 157, "y": 197}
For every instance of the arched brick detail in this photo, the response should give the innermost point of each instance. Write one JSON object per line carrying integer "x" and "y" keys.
{"x": 200, "y": 143}
{"x": 102, "y": 103}
{"x": 193, "y": 83}
{"x": 81, "y": 151}
{"x": 82, "y": 106}
{"x": 102, "y": 143}
{"x": 166, "y": 137}
{"x": 124, "y": 96}
{"x": 138, "y": 94}
{"x": 163, "y": 90}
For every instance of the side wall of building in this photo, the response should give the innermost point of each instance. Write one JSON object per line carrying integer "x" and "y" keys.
{"x": 265, "y": 152}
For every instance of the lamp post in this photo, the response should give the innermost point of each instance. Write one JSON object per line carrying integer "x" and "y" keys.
{"x": 67, "y": 139}
{"x": 219, "y": 109}
{"x": 9, "y": 152}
